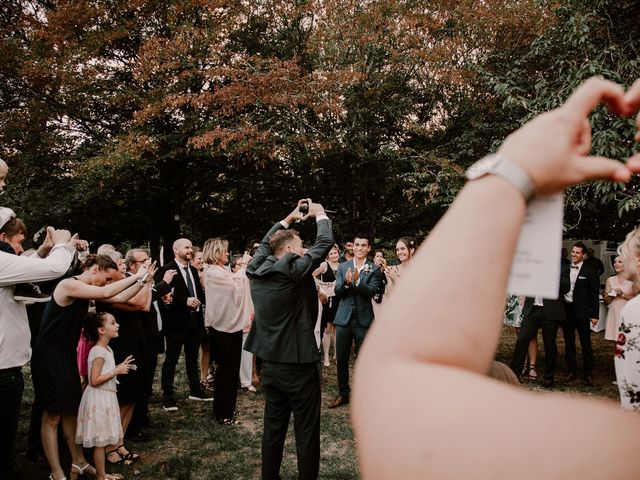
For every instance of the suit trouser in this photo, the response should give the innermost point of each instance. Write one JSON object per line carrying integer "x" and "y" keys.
{"x": 11, "y": 388}
{"x": 225, "y": 383}
{"x": 291, "y": 387}
{"x": 528, "y": 331}
{"x": 246, "y": 365}
{"x": 190, "y": 338}
{"x": 152, "y": 340}
{"x": 582, "y": 325}
{"x": 345, "y": 337}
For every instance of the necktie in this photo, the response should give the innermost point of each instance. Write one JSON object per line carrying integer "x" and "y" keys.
{"x": 192, "y": 292}
{"x": 574, "y": 266}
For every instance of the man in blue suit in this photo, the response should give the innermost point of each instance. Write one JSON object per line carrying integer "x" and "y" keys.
{"x": 357, "y": 281}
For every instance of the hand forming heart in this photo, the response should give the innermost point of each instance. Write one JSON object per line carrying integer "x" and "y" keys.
{"x": 553, "y": 147}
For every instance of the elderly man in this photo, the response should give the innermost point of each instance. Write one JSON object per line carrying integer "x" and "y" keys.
{"x": 183, "y": 323}
{"x": 134, "y": 259}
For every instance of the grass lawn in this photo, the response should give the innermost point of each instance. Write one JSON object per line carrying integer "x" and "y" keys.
{"x": 188, "y": 444}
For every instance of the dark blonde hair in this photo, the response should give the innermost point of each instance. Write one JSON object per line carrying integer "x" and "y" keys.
{"x": 213, "y": 250}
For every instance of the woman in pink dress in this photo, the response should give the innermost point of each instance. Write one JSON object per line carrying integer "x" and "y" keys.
{"x": 617, "y": 292}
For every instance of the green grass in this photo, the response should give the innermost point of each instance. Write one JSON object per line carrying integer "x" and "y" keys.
{"x": 188, "y": 444}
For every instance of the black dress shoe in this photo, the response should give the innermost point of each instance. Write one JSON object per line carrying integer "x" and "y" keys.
{"x": 339, "y": 401}
{"x": 590, "y": 381}
{"x": 571, "y": 377}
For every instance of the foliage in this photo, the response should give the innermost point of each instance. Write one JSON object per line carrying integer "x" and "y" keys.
{"x": 144, "y": 120}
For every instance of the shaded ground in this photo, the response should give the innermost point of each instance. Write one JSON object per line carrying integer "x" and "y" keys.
{"x": 188, "y": 444}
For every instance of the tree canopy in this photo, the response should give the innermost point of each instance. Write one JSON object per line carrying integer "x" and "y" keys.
{"x": 138, "y": 121}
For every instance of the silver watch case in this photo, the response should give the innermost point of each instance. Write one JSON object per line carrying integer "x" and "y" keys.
{"x": 500, "y": 165}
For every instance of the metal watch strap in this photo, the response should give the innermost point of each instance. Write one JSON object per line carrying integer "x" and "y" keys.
{"x": 516, "y": 176}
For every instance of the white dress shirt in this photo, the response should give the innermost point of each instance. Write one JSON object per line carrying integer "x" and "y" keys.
{"x": 15, "y": 335}
{"x": 573, "y": 276}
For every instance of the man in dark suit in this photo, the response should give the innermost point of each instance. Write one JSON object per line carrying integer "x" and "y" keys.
{"x": 581, "y": 305}
{"x": 182, "y": 324}
{"x": 285, "y": 300}
{"x": 594, "y": 262}
{"x": 134, "y": 259}
{"x": 357, "y": 281}
{"x": 547, "y": 314}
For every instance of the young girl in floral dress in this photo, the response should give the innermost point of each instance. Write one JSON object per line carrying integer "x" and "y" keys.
{"x": 99, "y": 414}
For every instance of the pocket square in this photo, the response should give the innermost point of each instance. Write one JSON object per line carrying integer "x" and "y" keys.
{"x": 582, "y": 278}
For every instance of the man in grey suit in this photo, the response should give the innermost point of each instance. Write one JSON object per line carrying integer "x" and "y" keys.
{"x": 357, "y": 281}
{"x": 547, "y": 314}
{"x": 286, "y": 309}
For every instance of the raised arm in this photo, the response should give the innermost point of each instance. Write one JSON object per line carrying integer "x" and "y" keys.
{"x": 423, "y": 407}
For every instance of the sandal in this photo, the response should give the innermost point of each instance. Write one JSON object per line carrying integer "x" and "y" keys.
{"x": 532, "y": 371}
{"x": 124, "y": 459}
{"x": 229, "y": 422}
{"x": 51, "y": 477}
{"x": 77, "y": 470}
{"x": 129, "y": 455}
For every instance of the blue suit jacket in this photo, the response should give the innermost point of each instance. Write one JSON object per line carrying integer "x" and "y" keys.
{"x": 355, "y": 300}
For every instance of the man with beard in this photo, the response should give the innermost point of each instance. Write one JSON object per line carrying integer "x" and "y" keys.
{"x": 183, "y": 324}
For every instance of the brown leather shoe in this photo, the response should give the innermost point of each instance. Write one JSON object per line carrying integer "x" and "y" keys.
{"x": 570, "y": 377}
{"x": 339, "y": 401}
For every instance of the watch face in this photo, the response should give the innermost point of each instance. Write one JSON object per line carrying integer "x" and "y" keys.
{"x": 482, "y": 167}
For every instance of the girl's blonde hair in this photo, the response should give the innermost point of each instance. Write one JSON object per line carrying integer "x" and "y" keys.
{"x": 213, "y": 250}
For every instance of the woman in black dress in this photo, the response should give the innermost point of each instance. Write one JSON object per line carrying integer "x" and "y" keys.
{"x": 54, "y": 367}
{"x": 326, "y": 275}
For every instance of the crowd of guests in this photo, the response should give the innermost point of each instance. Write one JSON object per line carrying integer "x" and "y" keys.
{"x": 577, "y": 308}
{"x": 107, "y": 317}
{"x": 98, "y": 323}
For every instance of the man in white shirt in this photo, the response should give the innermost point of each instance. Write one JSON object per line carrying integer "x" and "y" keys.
{"x": 581, "y": 304}
{"x": 15, "y": 335}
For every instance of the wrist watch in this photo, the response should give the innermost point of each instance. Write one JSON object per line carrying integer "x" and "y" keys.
{"x": 500, "y": 165}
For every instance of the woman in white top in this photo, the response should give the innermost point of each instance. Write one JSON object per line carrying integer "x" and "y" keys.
{"x": 627, "y": 352}
{"x": 228, "y": 303}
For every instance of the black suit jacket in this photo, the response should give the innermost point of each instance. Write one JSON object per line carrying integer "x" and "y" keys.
{"x": 553, "y": 309}
{"x": 285, "y": 300}
{"x": 177, "y": 316}
{"x": 585, "y": 293}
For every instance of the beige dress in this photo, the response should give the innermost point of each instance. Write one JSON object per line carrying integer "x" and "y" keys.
{"x": 615, "y": 307}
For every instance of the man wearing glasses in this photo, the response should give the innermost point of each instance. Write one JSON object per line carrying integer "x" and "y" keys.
{"x": 134, "y": 259}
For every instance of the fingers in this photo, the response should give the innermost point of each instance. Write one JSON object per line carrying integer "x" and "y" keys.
{"x": 584, "y": 138}
{"x": 632, "y": 99}
{"x": 601, "y": 168}
{"x": 591, "y": 93}
{"x": 633, "y": 163}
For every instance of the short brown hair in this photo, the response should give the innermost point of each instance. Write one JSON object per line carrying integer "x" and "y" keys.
{"x": 14, "y": 227}
{"x": 281, "y": 239}
{"x": 104, "y": 262}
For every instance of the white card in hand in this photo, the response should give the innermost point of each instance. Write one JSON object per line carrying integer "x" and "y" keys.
{"x": 536, "y": 264}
